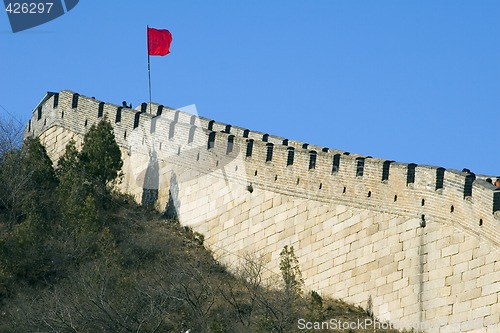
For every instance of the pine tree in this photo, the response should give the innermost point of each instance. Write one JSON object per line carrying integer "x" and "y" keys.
{"x": 100, "y": 155}
{"x": 84, "y": 192}
{"x": 290, "y": 272}
{"x": 29, "y": 180}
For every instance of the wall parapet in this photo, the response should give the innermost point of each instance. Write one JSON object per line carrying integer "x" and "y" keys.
{"x": 283, "y": 165}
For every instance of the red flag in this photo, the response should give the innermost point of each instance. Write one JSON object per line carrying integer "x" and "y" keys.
{"x": 159, "y": 42}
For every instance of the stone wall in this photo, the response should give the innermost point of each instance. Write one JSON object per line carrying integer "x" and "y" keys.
{"x": 423, "y": 242}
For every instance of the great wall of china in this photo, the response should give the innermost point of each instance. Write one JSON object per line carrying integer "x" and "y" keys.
{"x": 422, "y": 242}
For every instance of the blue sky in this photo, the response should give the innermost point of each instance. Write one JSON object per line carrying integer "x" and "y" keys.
{"x": 411, "y": 81}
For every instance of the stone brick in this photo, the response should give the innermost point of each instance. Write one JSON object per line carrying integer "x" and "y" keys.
{"x": 450, "y": 250}
{"x": 469, "y": 295}
{"x": 491, "y": 288}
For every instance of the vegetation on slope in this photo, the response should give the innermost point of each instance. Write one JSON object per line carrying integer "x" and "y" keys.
{"x": 76, "y": 257}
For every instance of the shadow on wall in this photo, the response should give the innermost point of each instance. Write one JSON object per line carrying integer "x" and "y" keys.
{"x": 151, "y": 181}
{"x": 173, "y": 204}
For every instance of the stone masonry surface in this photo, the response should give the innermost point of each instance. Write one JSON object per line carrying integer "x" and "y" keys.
{"x": 423, "y": 242}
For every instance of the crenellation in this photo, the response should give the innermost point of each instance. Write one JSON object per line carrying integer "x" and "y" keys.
{"x": 496, "y": 202}
{"x": 180, "y": 117}
{"x": 372, "y": 178}
{"x": 55, "y": 99}
{"x": 216, "y": 126}
{"x": 125, "y": 118}
{"x": 137, "y": 117}
{"x": 159, "y": 110}
{"x": 424, "y": 177}
{"x": 118, "y": 115}
{"x": 238, "y": 131}
{"x": 74, "y": 101}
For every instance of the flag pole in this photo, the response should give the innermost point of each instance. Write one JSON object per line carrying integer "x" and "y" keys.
{"x": 149, "y": 69}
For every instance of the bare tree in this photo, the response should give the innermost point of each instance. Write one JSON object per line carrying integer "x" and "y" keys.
{"x": 243, "y": 294}
{"x": 11, "y": 134}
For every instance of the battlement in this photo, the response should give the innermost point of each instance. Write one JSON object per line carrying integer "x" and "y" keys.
{"x": 286, "y": 165}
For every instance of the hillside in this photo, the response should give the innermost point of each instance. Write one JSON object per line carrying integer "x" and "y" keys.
{"x": 157, "y": 277}
{"x": 77, "y": 257}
